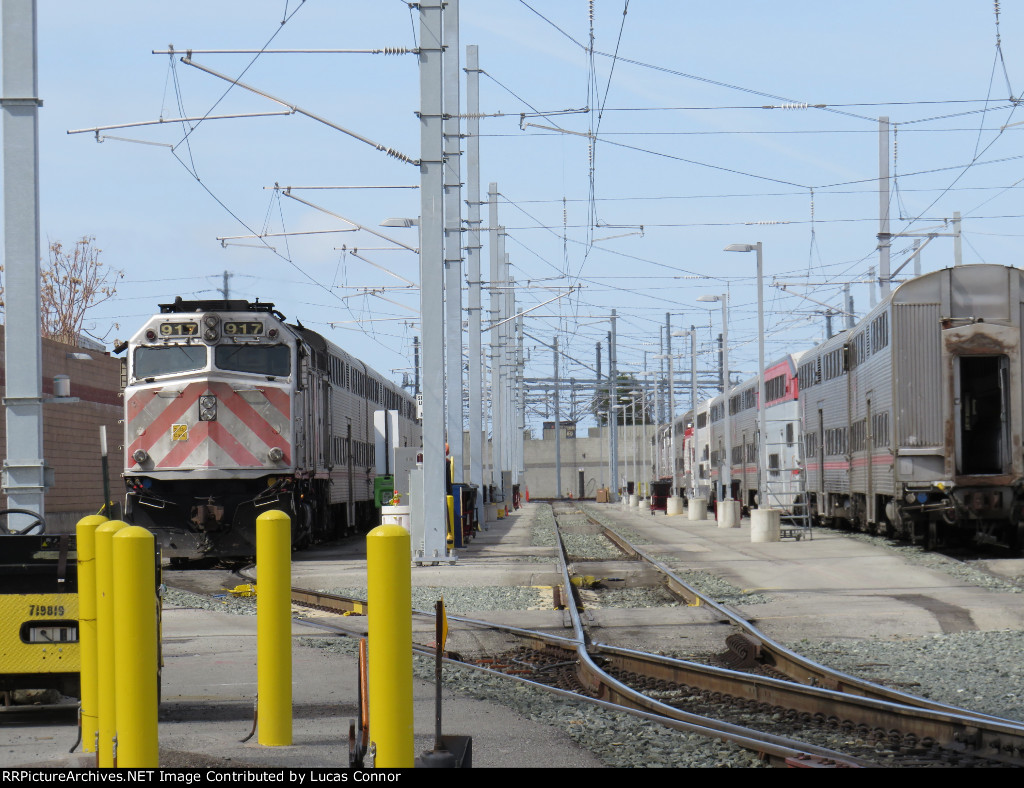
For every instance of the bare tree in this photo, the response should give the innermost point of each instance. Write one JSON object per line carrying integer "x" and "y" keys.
{"x": 71, "y": 283}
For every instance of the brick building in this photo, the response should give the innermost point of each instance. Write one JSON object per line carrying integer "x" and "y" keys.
{"x": 71, "y": 431}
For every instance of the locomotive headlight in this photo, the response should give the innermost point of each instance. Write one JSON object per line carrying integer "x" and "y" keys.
{"x": 140, "y": 456}
{"x": 276, "y": 454}
{"x": 211, "y": 327}
{"x": 207, "y": 407}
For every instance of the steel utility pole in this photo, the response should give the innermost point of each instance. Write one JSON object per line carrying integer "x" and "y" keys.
{"x": 24, "y": 470}
{"x": 432, "y": 282}
{"x": 613, "y": 395}
{"x": 453, "y": 236}
{"x": 884, "y": 236}
{"x": 474, "y": 307}
{"x": 495, "y": 306}
{"x": 558, "y": 427}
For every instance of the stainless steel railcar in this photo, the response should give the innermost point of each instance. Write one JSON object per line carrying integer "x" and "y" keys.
{"x": 704, "y": 447}
{"x": 913, "y": 419}
{"x": 230, "y": 411}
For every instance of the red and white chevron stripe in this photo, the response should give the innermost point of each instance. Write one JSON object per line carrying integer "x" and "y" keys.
{"x": 251, "y": 420}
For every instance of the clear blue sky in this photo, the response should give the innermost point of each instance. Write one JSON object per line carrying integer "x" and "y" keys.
{"x": 684, "y": 149}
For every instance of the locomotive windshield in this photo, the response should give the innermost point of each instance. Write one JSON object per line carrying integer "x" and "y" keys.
{"x": 168, "y": 360}
{"x": 257, "y": 359}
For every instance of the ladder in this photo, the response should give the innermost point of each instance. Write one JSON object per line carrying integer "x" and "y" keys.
{"x": 786, "y": 483}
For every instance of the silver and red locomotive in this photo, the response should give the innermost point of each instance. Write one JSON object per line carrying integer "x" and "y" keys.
{"x": 230, "y": 412}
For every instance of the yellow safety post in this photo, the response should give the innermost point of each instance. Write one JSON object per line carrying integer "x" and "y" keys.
{"x": 389, "y": 625}
{"x": 105, "y": 709}
{"x": 274, "y": 628}
{"x": 136, "y": 696}
{"x": 85, "y": 538}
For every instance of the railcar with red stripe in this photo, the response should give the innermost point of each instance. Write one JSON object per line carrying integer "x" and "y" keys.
{"x": 911, "y": 423}
{"x": 231, "y": 411}
{"x": 913, "y": 419}
{"x": 701, "y": 442}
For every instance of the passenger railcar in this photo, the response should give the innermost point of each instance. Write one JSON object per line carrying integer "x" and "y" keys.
{"x": 913, "y": 419}
{"x": 701, "y": 442}
{"x": 230, "y": 411}
{"x": 910, "y": 423}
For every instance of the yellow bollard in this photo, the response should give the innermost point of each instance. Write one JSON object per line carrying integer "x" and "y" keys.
{"x": 274, "y": 628}
{"x": 85, "y": 539}
{"x": 389, "y": 625}
{"x": 135, "y": 648}
{"x": 105, "y": 640}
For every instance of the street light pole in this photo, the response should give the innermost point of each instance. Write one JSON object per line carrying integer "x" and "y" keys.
{"x": 728, "y": 509}
{"x": 762, "y": 440}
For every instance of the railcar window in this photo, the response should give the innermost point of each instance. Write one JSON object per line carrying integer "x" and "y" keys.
{"x": 879, "y": 332}
{"x": 775, "y": 388}
{"x": 256, "y": 359}
{"x": 151, "y": 362}
{"x": 880, "y": 430}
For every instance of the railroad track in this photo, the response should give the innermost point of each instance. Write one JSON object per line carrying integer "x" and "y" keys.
{"x": 913, "y": 730}
{"x": 771, "y": 700}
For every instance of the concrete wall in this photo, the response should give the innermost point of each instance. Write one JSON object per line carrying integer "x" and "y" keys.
{"x": 588, "y": 452}
{"x": 71, "y": 432}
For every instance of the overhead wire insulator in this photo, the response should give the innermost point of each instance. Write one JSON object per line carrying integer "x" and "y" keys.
{"x": 398, "y": 51}
{"x": 395, "y": 154}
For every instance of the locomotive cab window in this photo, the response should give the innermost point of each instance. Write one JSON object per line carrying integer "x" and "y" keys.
{"x": 272, "y": 360}
{"x": 151, "y": 362}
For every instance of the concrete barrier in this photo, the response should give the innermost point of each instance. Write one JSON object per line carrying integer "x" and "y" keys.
{"x": 644, "y": 505}
{"x": 728, "y": 514}
{"x": 697, "y": 509}
{"x": 674, "y": 505}
{"x": 765, "y": 525}
{"x": 634, "y": 499}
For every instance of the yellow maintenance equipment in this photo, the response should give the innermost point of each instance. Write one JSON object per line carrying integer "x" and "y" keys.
{"x": 39, "y": 646}
{"x": 450, "y": 536}
{"x": 244, "y": 590}
{"x": 85, "y": 532}
{"x": 135, "y": 648}
{"x": 274, "y": 628}
{"x": 389, "y": 625}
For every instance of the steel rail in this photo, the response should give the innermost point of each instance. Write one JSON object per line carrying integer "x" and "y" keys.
{"x": 778, "y": 749}
{"x": 800, "y": 669}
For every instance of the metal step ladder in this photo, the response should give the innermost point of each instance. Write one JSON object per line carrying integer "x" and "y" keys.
{"x": 786, "y": 487}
